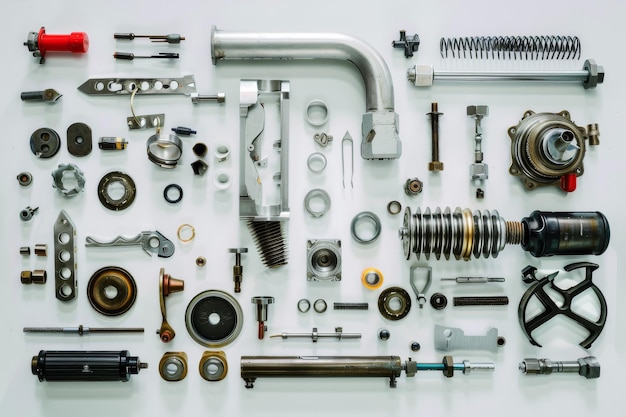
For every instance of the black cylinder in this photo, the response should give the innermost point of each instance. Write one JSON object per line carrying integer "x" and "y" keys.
{"x": 565, "y": 233}
{"x": 85, "y": 365}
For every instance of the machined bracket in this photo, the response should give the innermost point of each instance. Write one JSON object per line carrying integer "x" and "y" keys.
{"x": 323, "y": 260}
{"x": 64, "y": 258}
{"x": 185, "y": 85}
{"x": 451, "y": 338}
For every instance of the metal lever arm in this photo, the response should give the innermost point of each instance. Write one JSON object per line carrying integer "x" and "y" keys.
{"x": 150, "y": 242}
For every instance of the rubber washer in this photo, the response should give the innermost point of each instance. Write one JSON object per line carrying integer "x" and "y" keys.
{"x": 438, "y": 301}
{"x": 166, "y": 191}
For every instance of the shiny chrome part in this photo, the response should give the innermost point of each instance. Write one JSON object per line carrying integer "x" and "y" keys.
{"x": 65, "y": 282}
{"x": 380, "y": 122}
{"x": 313, "y": 198}
{"x": 164, "y": 149}
{"x": 264, "y": 179}
{"x": 145, "y": 86}
{"x": 365, "y": 217}
{"x": 323, "y": 260}
{"x": 150, "y": 242}
{"x": 68, "y": 170}
{"x": 590, "y": 76}
{"x": 511, "y": 47}
{"x": 588, "y": 367}
{"x": 197, "y": 98}
{"x": 315, "y": 336}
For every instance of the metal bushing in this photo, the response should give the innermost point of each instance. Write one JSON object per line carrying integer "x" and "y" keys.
{"x": 164, "y": 149}
{"x": 394, "y": 303}
{"x": 214, "y": 318}
{"x": 111, "y": 291}
{"x": 108, "y": 184}
{"x": 24, "y": 178}
{"x": 173, "y": 366}
{"x": 213, "y": 365}
{"x": 364, "y": 218}
{"x": 319, "y": 195}
{"x": 26, "y": 277}
{"x": 39, "y": 276}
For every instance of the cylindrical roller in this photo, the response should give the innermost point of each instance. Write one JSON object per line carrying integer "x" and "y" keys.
{"x": 85, "y": 365}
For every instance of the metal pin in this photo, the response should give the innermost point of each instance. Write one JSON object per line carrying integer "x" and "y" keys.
{"x": 473, "y": 280}
{"x": 83, "y": 330}
{"x": 347, "y": 138}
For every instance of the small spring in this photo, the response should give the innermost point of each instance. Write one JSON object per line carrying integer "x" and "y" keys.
{"x": 511, "y": 47}
{"x": 270, "y": 242}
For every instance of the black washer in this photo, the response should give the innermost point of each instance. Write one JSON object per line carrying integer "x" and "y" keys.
{"x": 173, "y": 200}
{"x": 438, "y": 301}
{"x": 45, "y": 143}
{"x": 79, "y": 139}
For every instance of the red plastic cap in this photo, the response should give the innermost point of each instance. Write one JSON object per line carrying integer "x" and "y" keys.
{"x": 568, "y": 182}
{"x": 79, "y": 42}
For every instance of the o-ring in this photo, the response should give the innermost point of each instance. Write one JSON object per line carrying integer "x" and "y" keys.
{"x": 320, "y": 305}
{"x": 183, "y": 228}
{"x": 438, "y": 301}
{"x": 388, "y": 297}
{"x": 316, "y": 162}
{"x": 316, "y": 121}
{"x": 166, "y": 192}
{"x": 372, "y": 278}
{"x": 126, "y": 182}
{"x": 365, "y": 216}
{"x": 304, "y": 305}
{"x": 317, "y": 193}
{"x": 394, "y": 207}
{"x": 111, "y": 291}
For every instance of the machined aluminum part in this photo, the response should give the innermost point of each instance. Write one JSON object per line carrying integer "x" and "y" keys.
{"x": 64, "y": 258}
{"x": 145, "y": 86}
{"x": 61, "y": 183}
{"x": 545, "y": 147}
{"x": 451, "y": 338}
{"x": 380, "y": 122}
{"x": 323, "y": 260}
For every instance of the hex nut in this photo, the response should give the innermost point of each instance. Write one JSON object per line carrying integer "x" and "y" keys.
{"x": 589, "y": 367}
{"x": 478, "y": 111}
{"x": 413, "y": 186}
{"x": 435, "y": 166}
{"x": 448, "y": 366}
{"x": 201, "y": 261}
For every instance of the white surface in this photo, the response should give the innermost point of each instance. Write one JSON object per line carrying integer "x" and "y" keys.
{"x": 215, "y": 217}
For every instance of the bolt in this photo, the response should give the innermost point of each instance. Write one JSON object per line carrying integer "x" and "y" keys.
{"x": 237, "y": 268}
{"x": 498, "y": 300}
{"x": 435, "y": 164}
{"x": 261, "y": 312}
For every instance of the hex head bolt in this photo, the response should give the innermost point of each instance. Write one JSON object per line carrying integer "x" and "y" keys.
{"x": 589, "y": 367}
{"x": 261, "y": 303}
{"x": 237, "y": 268}
{"x": 435, "y": 164}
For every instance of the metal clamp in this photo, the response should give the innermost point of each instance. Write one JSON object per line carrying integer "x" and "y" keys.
{"x": 420, "y": 294}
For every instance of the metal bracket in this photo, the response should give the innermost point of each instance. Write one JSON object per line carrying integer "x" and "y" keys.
{"x": 146, "y": 121}
{"x": 185, "y": 85}
{"x": 420, "y": 294}
{"x": 64, "y": 258}
{"x": 450, "y": 338}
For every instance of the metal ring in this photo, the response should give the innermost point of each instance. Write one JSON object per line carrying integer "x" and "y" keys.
{"x": 304, "y": 305}
{"x": 387, "y": 297}
{"x": 319, "y": 194}
{"x": 372, "y": 278}
{"x": 365, "y": 216}
{"x": 24, "y": 178}
{"x": 213, "y": 366}
{"x": 173, "y": 366}
{"x": 214, "y": 318}
{"x": 200, "y": 149}
{"x": 184, "y": 227}
{"x": 166, "y": 192}
{"x": 316, "y": 121}
{"x": 320, "y": 305}
{"x": 394, "y": 207}
{"x": 125, "y": 181}
{"x": 313, "y": 161}
{"x": 438, "y": 301}
{"x": 164, "y": 149}
{"x": 111, "y": 291}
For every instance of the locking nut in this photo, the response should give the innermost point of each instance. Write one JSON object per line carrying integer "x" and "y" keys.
{"x": 589, "y": 367}
{"x": 413, "y": 186}
{"x": 478, "y": 111}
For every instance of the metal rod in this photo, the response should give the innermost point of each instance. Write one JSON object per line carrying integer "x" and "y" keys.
{"x": 83, "y": 330}
{"x": 473, "y": 280}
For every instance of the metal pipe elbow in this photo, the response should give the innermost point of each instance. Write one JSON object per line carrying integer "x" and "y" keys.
{"x": 380, "y": 122}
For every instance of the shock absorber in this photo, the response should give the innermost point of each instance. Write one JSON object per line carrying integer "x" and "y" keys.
{"x": 485, "y": 233}
{"x": 85, "y": 365}
{"x": 40, "y": 43}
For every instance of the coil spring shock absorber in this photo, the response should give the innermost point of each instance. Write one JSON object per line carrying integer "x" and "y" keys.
{"x": 485, "y": 233}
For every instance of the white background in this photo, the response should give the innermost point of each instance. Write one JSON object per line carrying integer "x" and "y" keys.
{"x": 215, "y": 216}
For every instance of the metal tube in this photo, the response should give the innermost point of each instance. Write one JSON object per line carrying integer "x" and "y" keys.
{"x": 530, "y": 75}
{"x": 259, "y": 45}
{"x": 380, "y": 122}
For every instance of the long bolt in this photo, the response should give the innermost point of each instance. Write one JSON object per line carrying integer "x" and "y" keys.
{"x": 238, "y": 269}
{"x": 435, "y": 164}
{"x": 481, "y": 301}
{"x": 83, "y": 330}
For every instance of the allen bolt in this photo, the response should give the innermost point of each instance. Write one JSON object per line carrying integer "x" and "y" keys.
{"x": 435, "y": 164}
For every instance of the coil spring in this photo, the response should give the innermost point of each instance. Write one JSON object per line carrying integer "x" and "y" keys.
{"x": 270, "y": 242}
{"x": 512, "y": 47}
{"x": 461, "y": 232}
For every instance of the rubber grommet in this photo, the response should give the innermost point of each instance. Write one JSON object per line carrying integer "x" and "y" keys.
{"x": 438, "y": 301}
{"x": 166, "y": 191}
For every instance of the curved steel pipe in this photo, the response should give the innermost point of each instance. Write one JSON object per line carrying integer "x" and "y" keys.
{"x": 380, "y": 122}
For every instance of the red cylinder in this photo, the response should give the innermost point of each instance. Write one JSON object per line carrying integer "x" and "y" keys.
{"x": 76, "y": 42}
{"x": 568, "y": 182}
